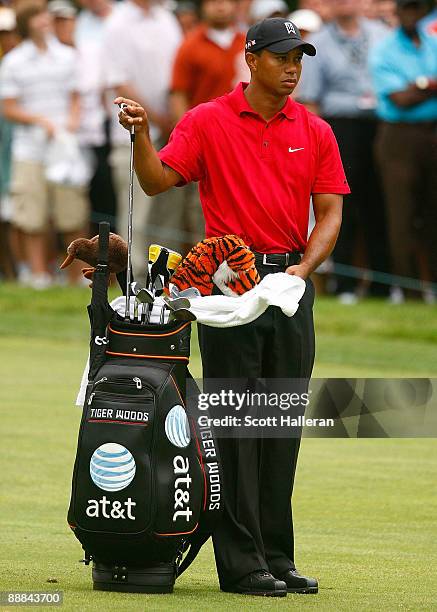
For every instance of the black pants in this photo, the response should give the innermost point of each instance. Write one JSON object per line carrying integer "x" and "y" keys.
{"x": 258, "y": 474}
{"x": 363, "y": 210}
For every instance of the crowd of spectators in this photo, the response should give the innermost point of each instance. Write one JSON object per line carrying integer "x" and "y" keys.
{"x": 64, "y": 158}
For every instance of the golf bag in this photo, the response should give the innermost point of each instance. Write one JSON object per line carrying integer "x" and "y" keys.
{"x": 146, "y": 485}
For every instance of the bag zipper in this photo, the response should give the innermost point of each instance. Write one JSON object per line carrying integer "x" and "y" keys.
{"x": 120, "y": 381}
{"x": 125, "y": 382}
{"x": 117, "y": 397}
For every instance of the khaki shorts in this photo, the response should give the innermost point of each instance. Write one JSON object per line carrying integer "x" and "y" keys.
{"x": 35, "y": 201}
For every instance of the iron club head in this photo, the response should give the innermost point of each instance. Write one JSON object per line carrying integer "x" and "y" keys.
{"x": 144, "y": 296}
{"x": 177, "y": 303}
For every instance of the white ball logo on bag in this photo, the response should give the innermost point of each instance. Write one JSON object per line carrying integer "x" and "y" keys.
{"x": 177, "y": 428}
{"x": 112, "y": 467}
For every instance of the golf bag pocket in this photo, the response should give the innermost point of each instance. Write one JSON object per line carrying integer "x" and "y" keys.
{"x": 113, "y": 472}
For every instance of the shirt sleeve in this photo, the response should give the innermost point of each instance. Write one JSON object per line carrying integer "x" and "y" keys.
{"x": 330, "y": 176}
{"x": 9, "y": 85}
{"x": 183, "y": 152}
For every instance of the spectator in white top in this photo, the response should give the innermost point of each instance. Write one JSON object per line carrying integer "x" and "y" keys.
{"x": 37, "y": 86}
{"x": 139, "y": 46}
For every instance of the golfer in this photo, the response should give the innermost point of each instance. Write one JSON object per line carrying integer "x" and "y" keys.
{"x": 258, "y": 157}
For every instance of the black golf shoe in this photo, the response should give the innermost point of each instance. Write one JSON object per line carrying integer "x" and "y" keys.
{"x": 259, "y": 582}
{"x": 299, "y": 584}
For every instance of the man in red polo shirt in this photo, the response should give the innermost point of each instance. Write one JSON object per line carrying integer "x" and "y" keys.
{"x": 259, "y": 157}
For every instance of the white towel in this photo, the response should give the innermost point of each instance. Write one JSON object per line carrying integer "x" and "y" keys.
{"x": 280, "y": 289}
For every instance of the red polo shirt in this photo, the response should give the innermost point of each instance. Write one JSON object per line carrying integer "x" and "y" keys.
{"x": 256, "y": 177}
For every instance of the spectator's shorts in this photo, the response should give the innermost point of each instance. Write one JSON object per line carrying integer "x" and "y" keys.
{"x": 35, "y": 201}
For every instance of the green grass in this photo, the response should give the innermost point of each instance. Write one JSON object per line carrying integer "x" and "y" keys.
{"x": 364, "y": 509}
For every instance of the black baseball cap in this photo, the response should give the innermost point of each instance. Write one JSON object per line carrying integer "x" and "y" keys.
{"x": 278, "y": 36}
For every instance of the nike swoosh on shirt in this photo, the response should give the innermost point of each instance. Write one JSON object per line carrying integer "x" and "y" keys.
{"x": 290, "y": 150}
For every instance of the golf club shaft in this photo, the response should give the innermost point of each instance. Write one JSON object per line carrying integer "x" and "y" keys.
{"x": 129, "y": 219}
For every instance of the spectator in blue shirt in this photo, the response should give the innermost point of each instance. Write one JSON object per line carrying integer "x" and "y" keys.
{"x": 404, "y": 70}
{"x": 337, "y": 86}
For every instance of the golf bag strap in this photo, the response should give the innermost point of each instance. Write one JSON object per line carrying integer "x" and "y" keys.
{"x": 104, "y": 230}
{"x": 196, "y": 543}
{"x": 99, "y": 310}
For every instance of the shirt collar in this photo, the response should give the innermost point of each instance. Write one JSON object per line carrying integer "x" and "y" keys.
{"x": 241, "y": 105}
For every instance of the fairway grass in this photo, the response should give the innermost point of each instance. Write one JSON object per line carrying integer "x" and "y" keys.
{"x": 364, "y": 510}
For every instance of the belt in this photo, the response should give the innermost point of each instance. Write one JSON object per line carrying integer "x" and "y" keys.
{"x": 277, "y": 259}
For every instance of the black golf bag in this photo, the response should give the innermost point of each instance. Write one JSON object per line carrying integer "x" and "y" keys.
{"x": 144, "y": 489}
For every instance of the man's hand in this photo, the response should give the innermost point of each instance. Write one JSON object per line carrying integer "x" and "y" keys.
{"x": 133, "y": 115}
{"x": 298, "y": 270}
{"x": 153, "y": 176}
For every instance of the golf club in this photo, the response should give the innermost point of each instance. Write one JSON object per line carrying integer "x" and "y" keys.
{"x": 154, "y": 252}
{"x": 123, "y": 106}
{"x": 160, "y": 276}
{"x": 135, "y": 288}
{"x": 158, "y": 269}
{"x": 177, "y": 303}
{"x": 174, "y": 259}
{"x": 161, "y": 271}
{"x": 189, "y": 293}
{"x": 144, "y": 296}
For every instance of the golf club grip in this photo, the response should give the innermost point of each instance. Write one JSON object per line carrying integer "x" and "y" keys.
{"x": 104, "y": 229}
